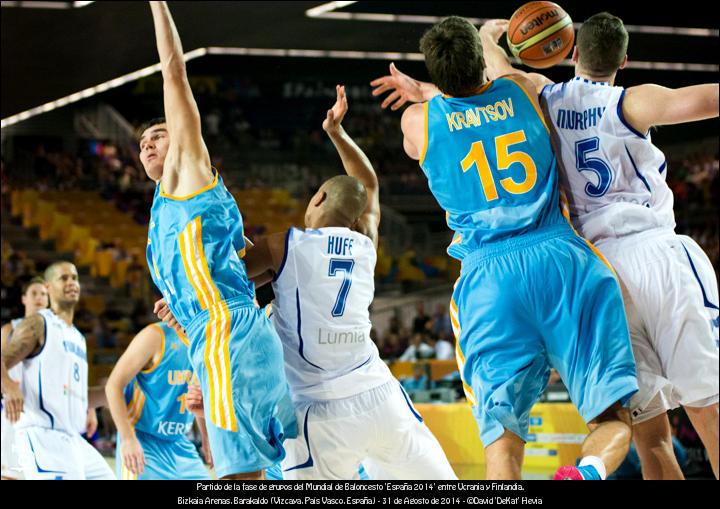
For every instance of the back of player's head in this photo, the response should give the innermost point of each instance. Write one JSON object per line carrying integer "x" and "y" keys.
{"x": 147, "y": 125}
{"x": 346, "y": 198}
{"x": 602, "y": 43}
{"x": 454, "y": 56}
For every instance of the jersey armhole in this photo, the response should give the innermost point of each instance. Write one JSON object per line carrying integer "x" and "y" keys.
{"x": 285, "y": 255}
{"x": 159, "y": 358}
{"x": 45, "y": 339}
{"x": 622, "y": 117}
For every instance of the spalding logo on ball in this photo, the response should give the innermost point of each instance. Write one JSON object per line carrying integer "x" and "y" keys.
{"x": 540, "y": 34}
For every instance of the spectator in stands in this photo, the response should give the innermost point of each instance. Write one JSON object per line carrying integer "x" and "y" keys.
{"x": 444, "y": 350}
{"x": 441, "y": 326}
{"x": 391, "y": 348}
{"x": 418, "y": 349}
{"x": 104, "y": 336}
{"x": 421, "y": 320}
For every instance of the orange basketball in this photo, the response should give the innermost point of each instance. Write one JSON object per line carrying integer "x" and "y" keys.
{"x": 540, "y": 34}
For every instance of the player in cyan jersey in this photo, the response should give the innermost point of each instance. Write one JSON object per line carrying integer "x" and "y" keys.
{"x": 350, "y": 407}
{"x": 532, "y": 294}
{"x": 146, "y": 396}
{"x": 50, "y": 405}
{"x": 618, "y": 198}
{"x": 195, "y": 242}
{"x": 34, "y": 298}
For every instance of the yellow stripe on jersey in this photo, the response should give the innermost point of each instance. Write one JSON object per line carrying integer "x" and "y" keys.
{"x": 425, "y": 135}
{"x": 135, "y": 407}
{"x": 188, "y": 257}
{"x": 459, "y": 357}
{"x": 182, "y": 337}
{"x": 531, "y": 99}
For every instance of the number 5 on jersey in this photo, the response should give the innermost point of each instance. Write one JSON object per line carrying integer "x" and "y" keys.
{"x": 505, "y": 159}
{"x": 345, "y": 266}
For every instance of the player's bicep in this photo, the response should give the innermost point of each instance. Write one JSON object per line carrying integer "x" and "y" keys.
{"x": 183, "y": 119}
{"x": 140, "y": 352}
{"x": 28, "y": 338}
{"x": 650, "y": 105}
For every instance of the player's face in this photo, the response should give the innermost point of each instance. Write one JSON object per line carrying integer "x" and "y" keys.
{"x": 154, "y": 144}
{"x": 35, "y": 298}
{"x": 65, "y": 285}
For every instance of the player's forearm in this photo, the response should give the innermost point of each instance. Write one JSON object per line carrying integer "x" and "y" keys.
{"x": 497, "y": 62}
{"x": 354, "y": 160}
{"x": 4, "y": 376}
{"x": 119, "y": 412}
{"x": 168, "y": 41}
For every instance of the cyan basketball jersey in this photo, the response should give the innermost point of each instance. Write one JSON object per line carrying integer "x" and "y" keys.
{"x": 192, "y": 252}
{"x": 155, "y": 398}
{"x": 490, "y": 165}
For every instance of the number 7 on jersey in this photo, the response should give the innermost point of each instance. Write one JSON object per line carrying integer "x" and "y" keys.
{"x": 345, "y": 266}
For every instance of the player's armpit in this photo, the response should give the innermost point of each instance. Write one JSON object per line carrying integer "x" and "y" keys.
{"x": 267, "y": 255}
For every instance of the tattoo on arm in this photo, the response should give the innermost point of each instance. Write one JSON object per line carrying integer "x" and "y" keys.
{"x": 27, "y": 339}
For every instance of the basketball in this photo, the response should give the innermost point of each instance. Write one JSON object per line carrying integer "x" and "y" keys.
{"x": 540, "y": 34}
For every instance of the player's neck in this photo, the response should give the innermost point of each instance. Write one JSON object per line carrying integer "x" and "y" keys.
{"x": 65, "y": 313}
{"x": 581, "y": 73}
{"x": 330, "y": 221}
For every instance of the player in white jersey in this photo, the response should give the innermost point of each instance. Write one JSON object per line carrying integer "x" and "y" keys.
{"x": 350, "y": 409}
{"x": 50, "y": 405}
{"x": 618, "y": 199}
{"x": 34, "y": 298}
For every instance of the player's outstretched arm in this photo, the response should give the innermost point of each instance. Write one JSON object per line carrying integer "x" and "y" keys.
{"x": 497, "y": 62}
{"x": 28, "y": 338}
{"x": 651, "y": 105}
{"x": 265, "y": 258}
{"x": 404, "y": 89}
{"x": 143, "y": 349}
{"x": 187, "y": 167}
{"x": 356, "y": 165}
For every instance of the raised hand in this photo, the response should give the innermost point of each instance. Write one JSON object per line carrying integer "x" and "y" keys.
{"x": 494, "y": 28}
{"x": 336, "y": 114}
{"x": 404, "y": 89}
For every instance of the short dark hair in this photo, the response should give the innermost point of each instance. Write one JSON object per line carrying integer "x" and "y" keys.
{"x": 34, "y": 281}
{"x": 602, "y": 43}
{"x": 454, "y": 56}
{"x": 146, "y": 125}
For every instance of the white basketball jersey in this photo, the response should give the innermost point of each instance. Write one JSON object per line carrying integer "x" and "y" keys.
{"x": 614, "y": 177}
{"x": 322, "y": 294}
{"x": 55, "y": 380}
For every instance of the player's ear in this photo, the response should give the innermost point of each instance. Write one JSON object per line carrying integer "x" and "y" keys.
{"x": 624, "y": 63}
{"x": 319, "y": 198}
{"x": 575, "y": 55}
